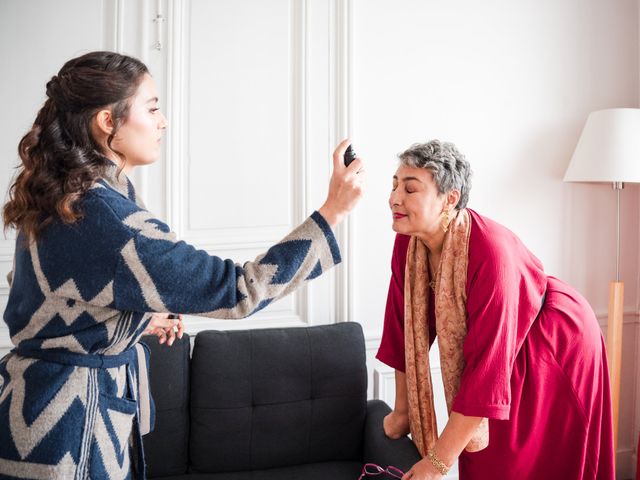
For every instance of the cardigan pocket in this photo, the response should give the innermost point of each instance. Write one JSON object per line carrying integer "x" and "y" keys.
{"x": 118, "y": 415}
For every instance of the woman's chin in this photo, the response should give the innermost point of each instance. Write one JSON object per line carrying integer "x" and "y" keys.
{"x": 397, "y": 228}
{"x": 148, "y": 160}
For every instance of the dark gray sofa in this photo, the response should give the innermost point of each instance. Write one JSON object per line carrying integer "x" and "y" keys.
{"x": 271, "y": 404}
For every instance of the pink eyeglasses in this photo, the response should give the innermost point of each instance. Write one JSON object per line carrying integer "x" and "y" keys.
{"x": 373, "y": 469}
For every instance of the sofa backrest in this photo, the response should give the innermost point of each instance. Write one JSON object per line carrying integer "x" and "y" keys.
{"x": 277, "y": 397}
{"x": 166, "y": 448}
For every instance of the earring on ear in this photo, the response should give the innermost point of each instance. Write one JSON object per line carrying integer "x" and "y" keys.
{"x": 446, "y": 221}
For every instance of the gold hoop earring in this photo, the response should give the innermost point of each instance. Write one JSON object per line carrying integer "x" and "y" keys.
{"x": 446, "y": 221}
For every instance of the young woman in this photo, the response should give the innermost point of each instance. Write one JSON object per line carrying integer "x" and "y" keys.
{"x": 92, "y": 265}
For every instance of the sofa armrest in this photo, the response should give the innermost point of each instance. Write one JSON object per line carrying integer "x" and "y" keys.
{"x": 380, "y": 449}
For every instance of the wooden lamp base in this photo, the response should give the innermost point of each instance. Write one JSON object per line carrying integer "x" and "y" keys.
{"x": 614, "y": 350}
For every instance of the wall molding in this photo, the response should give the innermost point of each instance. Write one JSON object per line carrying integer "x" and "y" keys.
{"x": 177, "y": 165}
{"x": 630, "y": 317}
{"x": 625, "y": 462}
{"x": 114, "y": 25}
{"x": 341, "y": 108}
{"x": 7, "y": 247}
{"x": 177, "y": 51}
{"x": 178, "y": 158}
{"x": 299, "y": 95}
{"x": 383, "y": 382}
{"x": 141, "y": 175}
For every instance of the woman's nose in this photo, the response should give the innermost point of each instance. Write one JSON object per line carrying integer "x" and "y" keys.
{"x": 163, "y": 122}
{"x": 394, "y": 199}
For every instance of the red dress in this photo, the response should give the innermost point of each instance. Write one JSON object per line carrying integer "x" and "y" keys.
{"x": 535, "y": 364}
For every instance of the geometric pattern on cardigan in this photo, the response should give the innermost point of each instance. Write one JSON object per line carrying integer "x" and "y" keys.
{"x": 90, "y": 288}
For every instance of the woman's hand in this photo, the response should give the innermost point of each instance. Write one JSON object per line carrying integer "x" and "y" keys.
{"x": 163, "y": 326}
{"x": 345, "y": 187}
{"x": 423, "y": 470}
{"x": 396, "y": 425}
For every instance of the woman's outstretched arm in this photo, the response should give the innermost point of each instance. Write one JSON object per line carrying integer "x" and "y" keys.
{"x": 156, "y": 273}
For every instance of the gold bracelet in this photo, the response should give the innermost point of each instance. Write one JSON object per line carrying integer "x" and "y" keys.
{"x": 439, "y": 464}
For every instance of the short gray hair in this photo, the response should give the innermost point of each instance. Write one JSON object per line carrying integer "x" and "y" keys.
{"x": 450, "y": 169}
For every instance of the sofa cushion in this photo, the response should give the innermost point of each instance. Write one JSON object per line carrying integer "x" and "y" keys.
{"x": 166, "y": 448}
{"x": 277, "y": 397}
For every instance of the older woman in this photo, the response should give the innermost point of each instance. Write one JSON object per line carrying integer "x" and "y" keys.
{"x": 522, "y": 355}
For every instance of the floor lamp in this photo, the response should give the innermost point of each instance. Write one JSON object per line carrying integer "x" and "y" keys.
{"x": 609, "y": 152}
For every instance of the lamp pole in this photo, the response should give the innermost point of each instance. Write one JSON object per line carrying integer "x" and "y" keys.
{"x": 618, "y": 186}
{"x": 614, "y": 325}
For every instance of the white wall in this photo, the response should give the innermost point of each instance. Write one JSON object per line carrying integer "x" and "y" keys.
{"x": 261, "y": 91}
{"x": 33, "y": 47}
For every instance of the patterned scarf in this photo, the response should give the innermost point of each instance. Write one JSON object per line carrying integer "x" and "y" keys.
{"x": 451, "y": 329}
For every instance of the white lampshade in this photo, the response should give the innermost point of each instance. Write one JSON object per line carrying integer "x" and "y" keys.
{"x": 608, "y": 149}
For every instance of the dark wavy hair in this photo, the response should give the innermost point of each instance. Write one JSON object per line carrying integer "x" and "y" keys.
{"x": 61, "y": 159}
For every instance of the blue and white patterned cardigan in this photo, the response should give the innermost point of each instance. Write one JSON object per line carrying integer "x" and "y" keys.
{"x": 72, "y": 395}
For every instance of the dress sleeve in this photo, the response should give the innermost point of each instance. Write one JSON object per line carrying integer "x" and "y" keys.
{"x": 391, "y": 351}
{"x": 156, "y": 273}
{"x": 490, "y": 345}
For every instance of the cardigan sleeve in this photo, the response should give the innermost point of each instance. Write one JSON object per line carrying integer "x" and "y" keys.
{"x": 156, "y": 273}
